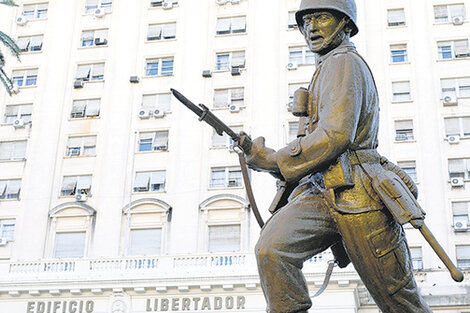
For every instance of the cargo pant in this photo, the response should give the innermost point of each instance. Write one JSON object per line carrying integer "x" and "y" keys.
{"x": 306, "y": 226}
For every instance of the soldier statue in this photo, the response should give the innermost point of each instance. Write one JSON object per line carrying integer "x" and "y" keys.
{"x": 334, "y": 203}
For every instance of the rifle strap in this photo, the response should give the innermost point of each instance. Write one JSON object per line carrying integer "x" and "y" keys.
{"x": 249, "y": 190}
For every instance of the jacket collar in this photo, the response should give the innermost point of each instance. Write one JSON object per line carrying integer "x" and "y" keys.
{"x": 343, "y": 47}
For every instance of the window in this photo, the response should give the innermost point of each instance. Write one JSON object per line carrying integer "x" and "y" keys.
{"x": 159, "y": 102}
{"x": 35, "y": 11}
{"x": 459, "y": 168}
{"x": 223, "y": 98}
{"x": 83, "y": 145}
{"x": 457, "y": 126}
{"x": 159, "y": 67}
{"x": 396, "y": 17}
{"x": 293, "y": 130}
{"x": 85, "y": 108}
{"x": 13, "y": 150}
{"x": 69, "y": 245}
{"x": 455, "y": 49}
{"x": 92, "y": 5}
{"x": 231, "y": 25}
{"x": 226, "y": 177}
{"x": 227, "y": 60}
{"x": 398, "y": 53}
{"x": 10, "y": 189}
{"x": 94, "y": 38}
{"x": 456, "y": 87}
{"x": 460, "y": 211}
{"x": 149, "y": 181}
{"x": 445, "y": 13}
{"x": 90, "y": 72}
{"x": 417, "y": 258}
{"x": 7, "y": 229}
{"x": 301, "y": 55}
{"x": 22, "y": 111}
{"x": 224, "y": 238}
{"x": 153, "y": 141}
{"x": 291, "y": 21}
{"x": 404, "y": 130}
{"x": 293, "y": 87}
{"x": 159, "y": 3}
{"x": 145, "y": 241}
{"x": 30, "y": 43}
{"x": 401, "y": 91}
{"x": 22, "y": 78}
{"x": 76, "y": 185}
{"x": 224, "y": 141}
{"x": 161, "y": 31}
{"x": 410, "y": 168}
{"x": 463, "y": 256}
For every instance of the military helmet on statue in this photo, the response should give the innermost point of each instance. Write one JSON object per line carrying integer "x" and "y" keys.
{"x": 347, "y": 7}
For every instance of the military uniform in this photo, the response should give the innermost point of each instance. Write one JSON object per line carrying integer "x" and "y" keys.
{"x": 343, "y": 119}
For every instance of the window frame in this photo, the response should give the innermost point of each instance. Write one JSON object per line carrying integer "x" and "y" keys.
{"x": 150, "y": 187}
{"x": 291, "y": 21}
{"x": 27, "y": 75}
{"x": 163, "y": 27}
{"x": 13, "y": 150}
{"x": 5, "y": 222}
{"x": 406, "y": 133}
{"x": 410, "y": 167}
{"x": 96, "y": 35}
{"x": 229, "y": 97}
{"x": 153, "y": 141}
{"x": 75, "y": 191}
{"x": 160, "y": 3}
{"x": 458, "y": 216}
{"x": 460, "y": 260}
{"x": 162, "y": 106}
{"x": 82, "y": 148}
{"x": 456, "y": 89}
{"x": 465, "y": 167}
{"x": 228, "y": 141}
{"x": 27, "y": 118}
{"x": 449, "y": 16}
{"x": 76, "y": 114}
{"x": 399, "y": 23}
{"x": 91, "y": 76}
{"x": 106, "y": 5}
{"x": 402, "y": 56}
{"x": 4, "y": 195}
{"x": 28, "y": 48}
{"x": 227, "y": 171}
{"x": 231, "y": 20}
{"x": 36, "y": 12}
{"x": 159, "y": 66}
{"x": 397, "y": 96}
{"x": 220, "y": 67}
{"x": 417, "y": 260}
{"x": 460, "y": 120}
{"x": 306, "y": 54}
{"x": 450, "y": 46}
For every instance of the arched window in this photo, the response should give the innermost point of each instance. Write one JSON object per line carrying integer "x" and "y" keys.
{"x": 70, "y": 230}
{"x": 145, "y": 226}
{"x": 224, "y": 224}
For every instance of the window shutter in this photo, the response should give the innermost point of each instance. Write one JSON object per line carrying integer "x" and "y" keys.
{"x": 452, "y": 126}
{"x": 466, "y": 126}
{"x": 5, "y": 151}
{"x": 396, "y": 16}
{"x": 98, "y": 69}
{"x": 102, "y": 34}
{"x": 74, "y": 142}
{"x": 3, "y": 185}
{"x": 149, "y": 101}
{"x": 145, "y": 241}
{"x": 460, "y": 208}
{"x": 78, "y": 106}
{"x": 464, "y": 87}
{"x": 223, "y": 25}
{"x": 87, "y": 35}
{"x": 13, "y": 187}
{"x": 84, "y": 182}
{"x": 161, "y": 138}
{"x": 83, "y": 71}
{"x": 291, "y": 19}
{"x": 456, "y": 166}
{"x": 69, "y": 183}
{"x": 158, "y": 177}
{"x": 224, "y": 238}
{"x": 42, "y": 6}
{"x": 142, "y": 180}
{"x": 221, "y": 98}
{"x": 164, "y": 101}
{"x": 69, "y": 245}
{"x": 154, "y": 32}
{"x": 239, "y": 24}
{"x": 218, "y": 141}
{"x": 26, "y": 109}
{"x": 23, "y": 43}
{"x": 92, "y": 108}
{"x": 401, "y": 87}
{"x": 404, "y": 125}
{"x": 89, "y": 141}
{"x": 237, "y": 94}
{"x": 463, "y": 252}
{"x": 440, "y": 12}
{"x": 148, "y": 135}
{"x": 92, "y": 3}
{"x": 457, "y": 10}
{"x": 238, "y": 59}
{"x": 169, "y": 31}
{"x": 11, "y": 110}
{"x": 461, "y": 48}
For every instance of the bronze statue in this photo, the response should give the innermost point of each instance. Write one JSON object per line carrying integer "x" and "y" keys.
{"x": 334, "y": 191}
{"x": 341, "y": 182}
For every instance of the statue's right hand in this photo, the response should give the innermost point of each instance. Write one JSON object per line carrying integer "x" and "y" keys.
{"x": 245, "y": 142}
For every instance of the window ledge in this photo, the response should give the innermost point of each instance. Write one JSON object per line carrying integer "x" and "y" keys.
{"x": 148, "y": 192}
{"x": 396, "y": 27}
{"x": 400, "y": 63}
{"x": 161, "y": 8}
{"x": 31, "y": 52}
{"x": 91, "y": 47}
{"x": 79, "y": 156}
{"x": 27, "y": 87}
{"x": 448, "y": 23}
{"x": 453, "y": 59}
{"x": 37, "y": 19}
{"x": 73, "y": 196}
{"x": 157, "y": 76}
{"x": 160, "y": 40}
{"x": 222, "y": 188}
{"x": 404, "y": 101}
{"x": 405, "y": 141}
{"x": 9, "y": 200}
{"x": 84, "y": 118}
{"x": 93, "y": 14}
{"x": 153, "y": 151}
{"x": 230, "y": 35}
{"x": 13, "y": 160}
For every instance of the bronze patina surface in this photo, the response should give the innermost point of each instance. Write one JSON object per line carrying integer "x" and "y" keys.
{"x": 333, "y": 202}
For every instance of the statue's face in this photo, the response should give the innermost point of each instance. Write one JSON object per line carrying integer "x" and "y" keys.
{"x": 319, "y": 27}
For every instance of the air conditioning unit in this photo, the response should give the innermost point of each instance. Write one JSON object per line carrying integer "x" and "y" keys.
{"x": 167, "y": 4}
{"x": 157, "y": 113}
{"x": 450, "y": 100}
{"x": 144, "y": 113}
{"x": 453, "y": 139}
{"x": 401, "y": 137}
{"x": 101, "y": 41}
{"x": 134, "y": 79}
{"x": 162, "y": 148}
{"x": 457, "y": 20}
{"x": 233, "y": 108}
{"x": 156, "y": 3}
{"x": 3, "y": 241}
{"x": 21, "y": 20}
{"x": 74, "y": 152}
{"x": 221, "y": 2}
{"x": 99, "y": 12}
{"x": 235, "y": 1}
{"x": 232, "y": 183}
{"x": 292, "y": 66}
{"x": 82, "y": 197}
{"x": 206, "y": 73}
{"x": 78, "y": 83}
{"x": 18, "y": 123}
{"x": 460, "y": 225}
{"x": 457, "y": 182}
{"x": 235, "y": 71}
{"x": 289, "y": 106}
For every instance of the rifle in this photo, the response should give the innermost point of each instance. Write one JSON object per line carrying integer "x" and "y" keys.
{"x": 242, "y": 142}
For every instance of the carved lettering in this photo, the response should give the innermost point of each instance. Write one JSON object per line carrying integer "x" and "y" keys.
{"x": 164, "y": 304}
{"x": 175, "y": 304}
{"x": 240, "y": 303}
{"x": 89, "y": 306}
{"x": 73, "y": 306}
{"x": 56, "y": 306}
{"x": 196, "y": 301}
{"x": 48, "y": 307}
{"x": 147, "y": 307}
{"x": 186, "y": 303}
{"x": 40, "y": 307}
{"x": 229, "y": 303}
{"x": 217, "y": 303}
{"x": 206, "y": 305}
{"x": 30, "y": 307}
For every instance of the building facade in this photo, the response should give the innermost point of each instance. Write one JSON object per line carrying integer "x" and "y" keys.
{"x": 114, "y": 198}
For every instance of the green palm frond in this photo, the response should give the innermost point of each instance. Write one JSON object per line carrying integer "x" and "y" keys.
{"x": 9, "y": 2}
{"x": 6, "y": 81}
{"x": 11, "y": 44}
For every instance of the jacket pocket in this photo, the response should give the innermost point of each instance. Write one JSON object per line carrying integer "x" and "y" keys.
{"x": 391, "y": 250}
